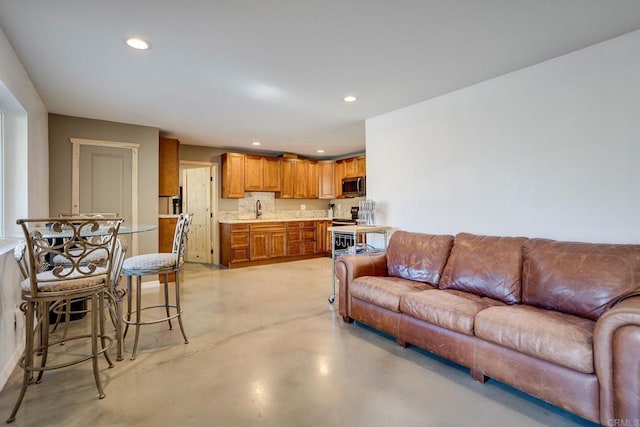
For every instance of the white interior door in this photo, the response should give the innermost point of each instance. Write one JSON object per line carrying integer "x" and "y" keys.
{"x": 197, "y": 201}
{"x": 105, "y": 180}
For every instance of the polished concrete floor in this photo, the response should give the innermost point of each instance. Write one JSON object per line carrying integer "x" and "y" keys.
{"x": 267, "y": 349}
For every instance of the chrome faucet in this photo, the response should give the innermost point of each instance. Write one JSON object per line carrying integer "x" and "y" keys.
{"x": 258, "y": 209}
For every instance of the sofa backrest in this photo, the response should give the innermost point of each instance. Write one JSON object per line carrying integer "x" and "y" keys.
{"x": 583, "y": 279}
{"x": 416, "y": 256}
{"x": 489, "y": 266}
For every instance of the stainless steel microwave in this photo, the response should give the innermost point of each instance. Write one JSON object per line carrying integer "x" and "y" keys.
{"x": 354, "y": 187}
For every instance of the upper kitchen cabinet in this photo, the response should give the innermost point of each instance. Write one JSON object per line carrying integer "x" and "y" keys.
{"x": 313, "y": 187}
{"x": 361, "y": 166}
{"x": 352, "y": 167}
{"x": 299, "y": 179}
{"x": 326, "y": 179}
{"x": 262, "y": 173}
{"x": 233, "y": 175}
{"x": 169, "y": 167}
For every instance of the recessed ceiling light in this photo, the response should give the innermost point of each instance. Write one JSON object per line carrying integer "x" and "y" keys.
{"x": 350, "y": 98}
{"x": 320, "y": 151}
{"x": 255, "y": 143}
{"x": 137, "y": 43}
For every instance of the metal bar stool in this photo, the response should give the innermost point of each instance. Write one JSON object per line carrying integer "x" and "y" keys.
{"x": 78, "y": 306}
{"x": 157, "y": 264}
{"x": 46, "y": 286}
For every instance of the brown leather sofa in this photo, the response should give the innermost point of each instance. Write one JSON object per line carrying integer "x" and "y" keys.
{"x": 557, "y": 320}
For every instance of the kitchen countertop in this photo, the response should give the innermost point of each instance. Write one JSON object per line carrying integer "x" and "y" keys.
{"x": 168, "y": 216}
{"x": 254, "y": 220}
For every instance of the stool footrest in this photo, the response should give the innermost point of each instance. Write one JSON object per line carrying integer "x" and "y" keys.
{"x": 127, "y": 319}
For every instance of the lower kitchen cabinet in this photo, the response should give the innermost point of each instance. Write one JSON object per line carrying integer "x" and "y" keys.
{"x": 234, "y": 243}
{"x": 266, "y": 242}
{"x": 301, "y": 238}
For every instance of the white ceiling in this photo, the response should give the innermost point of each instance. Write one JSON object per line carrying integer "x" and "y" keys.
{"x": 226, "y": 73}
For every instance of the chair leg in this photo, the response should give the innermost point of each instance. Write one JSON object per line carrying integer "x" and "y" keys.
{"x": 94, "y": 344}
{"x": 117, "y": 302}
{"x": 67, "y": 320}
{"x": 166, "y": 297}
{"x": 103, "y": 338}
{"x": 126, "y": 325}
{"x": 138, "y": 310}
{"x": 44, "y": 339}
{"x": 178, "y": 309}
{"x": 28, "y": 358}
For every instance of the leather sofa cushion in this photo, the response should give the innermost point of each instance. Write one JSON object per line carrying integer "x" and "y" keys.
{"x": 449, "y": 309}
{"x": 584, "y": 279}
{"x": 419, "y": 257}
{"x": 485, "y": 265}
{"x": 556, "y": 337}
{"x": 384, "y": 291}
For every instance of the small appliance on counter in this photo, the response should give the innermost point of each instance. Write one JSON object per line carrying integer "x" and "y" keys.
{"x": 176, "y": 203}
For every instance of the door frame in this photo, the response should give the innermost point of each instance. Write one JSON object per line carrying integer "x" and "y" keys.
{"x": 76, "y": 143}
{"x": 215, "y": 234}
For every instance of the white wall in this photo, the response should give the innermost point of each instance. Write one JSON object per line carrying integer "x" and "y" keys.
{"x": 552, "y": 150}
{"x": 25, "y": 187}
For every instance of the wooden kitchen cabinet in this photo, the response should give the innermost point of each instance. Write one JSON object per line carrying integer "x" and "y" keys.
{"x": 361, "y": 166}
{"x": 313, "y": 186}
{"x": 295, "y": 179}
{"x": 234, "y": 244}
{"x": 326, "y": 180}
{"x": 169, "y": 167}
{"x": 260, "y": 242}
{"x": 301, "y": 238}
{"x": 286, "y": 186}
{"x": 253, "y": 171}
{"x": 267, "y": 240}
{"x": 233, "y": 175}
{"x": 339, "y": 175}
{"x": 300, "y": 178}
{"x": 323, "y": 237}
{"x": 271, "y": 173}
{"x": 261, "y": 173}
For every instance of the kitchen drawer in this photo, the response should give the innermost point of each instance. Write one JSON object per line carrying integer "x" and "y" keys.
{"x": 267, "y": 226}
{"x": 240, "y": 228}
{"x": 309, "y": 234}
{"x": 239, "y": 239}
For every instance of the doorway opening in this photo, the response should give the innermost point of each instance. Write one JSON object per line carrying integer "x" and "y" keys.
{"x": 199, "y": 181}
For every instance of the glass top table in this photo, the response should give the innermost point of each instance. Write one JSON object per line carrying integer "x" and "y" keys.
{"x": 125, "y": 228}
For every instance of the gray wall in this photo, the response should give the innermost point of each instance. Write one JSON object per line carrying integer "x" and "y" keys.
{"x": 61, "y": 128}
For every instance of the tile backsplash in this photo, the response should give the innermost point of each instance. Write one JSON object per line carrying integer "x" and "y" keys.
{"x": 247, "y": 209}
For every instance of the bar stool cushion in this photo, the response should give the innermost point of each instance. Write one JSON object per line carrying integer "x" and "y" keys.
{"x": 149, "y": 262}
{"x": 48, "y": 282}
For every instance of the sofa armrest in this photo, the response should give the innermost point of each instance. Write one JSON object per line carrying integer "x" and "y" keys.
{"x": 349, "y": 267}
{"x": 616, "y": 346}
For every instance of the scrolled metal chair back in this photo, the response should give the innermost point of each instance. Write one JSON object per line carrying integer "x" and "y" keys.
{"x": 75, "y": 240}
{"x": 181, "y": 234}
